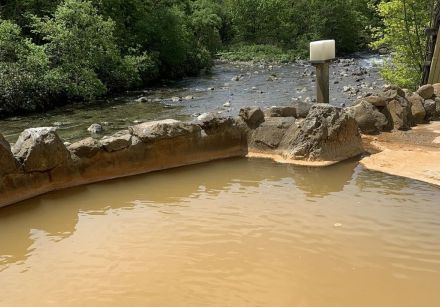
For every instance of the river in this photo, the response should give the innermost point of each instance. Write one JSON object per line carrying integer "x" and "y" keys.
{"x": 260, "y": 85}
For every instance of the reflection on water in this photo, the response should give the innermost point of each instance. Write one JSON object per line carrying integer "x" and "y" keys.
{"x": 230, "y": 233}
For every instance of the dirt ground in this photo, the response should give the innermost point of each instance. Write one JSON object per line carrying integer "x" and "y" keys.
{"x": 413, "y": 154}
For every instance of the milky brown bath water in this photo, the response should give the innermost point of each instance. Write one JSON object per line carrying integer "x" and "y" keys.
{"x": 230, "y": 233}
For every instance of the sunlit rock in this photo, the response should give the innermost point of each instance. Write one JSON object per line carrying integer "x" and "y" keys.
{"x": 8, "y": 164}
{"x": 40, "y": 149}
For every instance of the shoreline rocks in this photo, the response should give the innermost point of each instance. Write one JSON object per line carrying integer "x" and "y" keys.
{"x": 40, "y": 162}
{"x": 402, "y": 109}
{"x": 303, "y": 133}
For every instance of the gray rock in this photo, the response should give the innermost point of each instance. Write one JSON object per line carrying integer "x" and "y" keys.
{"x": 368, "y": 117}
{"x": 40, "y": 149}
{"x": 164, "y": 129}
{"x": 269, "y": 134}
{"x": 116, "y": 142}
{"x": 417, "y": 110}
{"x": 399, "y": 90}
{"x": 437, "y": 108}
{"x": 399, "y": 113}
{"x": 426, "y": 91}
{"x": 328, "y": 134}
{"x": 95, "y": 129}
{"x": 8, "y": 164}
{"x": 280, "y": 112}
{"x": 213, "y": 123}
{"x": 347, "y": 89}
{"x": 86, "y": 148}
{"x": 252, "y": 116}
{"x": 430, "y": 108}
{"x": 376, "y": 101}
{"x": 393, "y": 93}
{"x": 302, "y": 108}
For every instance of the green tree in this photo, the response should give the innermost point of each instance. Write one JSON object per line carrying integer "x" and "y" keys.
{"x": 23, "y": 66}
{"x": 79, "y": 43}
{"x": 403, "y": 33}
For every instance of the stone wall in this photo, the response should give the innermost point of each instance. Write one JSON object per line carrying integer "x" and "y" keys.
{"x": 396, "y": 109}
{"x": 39, "y": 162}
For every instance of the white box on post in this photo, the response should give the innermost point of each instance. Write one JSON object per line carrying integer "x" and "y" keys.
{"x": 321, "y": 54}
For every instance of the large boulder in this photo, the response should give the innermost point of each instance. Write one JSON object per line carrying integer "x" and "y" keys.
{"x": 40, "y": 149}
{"x": 368, "y": 117}
{"x": 327, "y": 134}
{"x": 86, "y": 148}
{"x": 376, "y": 101}
{"x": 280, "y": 112}
{"x": 430, "y": 106}
{"x": 164, "y": 129}
{"x": 213, "y": 123}
{"x": 252, "y": 116}
{"x": 8, "y": 164}
{"x": 417, "y": 110}
{"x": 426, "y": 91}
{"x": 399, "y": 114}
{"x": 269, "y": 134}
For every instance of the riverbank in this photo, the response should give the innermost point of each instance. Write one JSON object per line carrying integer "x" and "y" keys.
{"x": 227, "y": 89}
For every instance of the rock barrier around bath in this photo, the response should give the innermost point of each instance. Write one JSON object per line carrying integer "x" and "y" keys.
{"x": 396, "y": 109}
{"x": 39, "y": 161}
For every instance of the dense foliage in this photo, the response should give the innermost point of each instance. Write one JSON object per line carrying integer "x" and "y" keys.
{"x": 403, "y": 33}
{"x": 54, "y": 51}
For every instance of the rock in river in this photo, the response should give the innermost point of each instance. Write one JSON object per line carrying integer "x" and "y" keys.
{"x": 95, "y": 129}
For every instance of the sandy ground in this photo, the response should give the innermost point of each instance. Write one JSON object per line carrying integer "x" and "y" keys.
{"x": 279, "y": 159}
{"x": 413, "y": 154}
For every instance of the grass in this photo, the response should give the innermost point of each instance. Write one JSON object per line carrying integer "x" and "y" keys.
{"x": 258, "y": 53}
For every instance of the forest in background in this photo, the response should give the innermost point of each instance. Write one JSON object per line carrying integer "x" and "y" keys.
{"x": 58, "y": 51}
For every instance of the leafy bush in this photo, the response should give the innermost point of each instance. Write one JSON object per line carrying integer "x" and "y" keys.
{"x": 403, "y": 33}
{"x": 258, "y": 53}
{"x": 23, "y": 66}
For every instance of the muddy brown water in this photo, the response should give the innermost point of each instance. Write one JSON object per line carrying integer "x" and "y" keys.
{"x": 231, "y": 233}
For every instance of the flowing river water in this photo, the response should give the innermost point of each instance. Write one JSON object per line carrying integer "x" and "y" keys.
{"x": 230, "y": 233}
{"x": 225, "y": 90}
